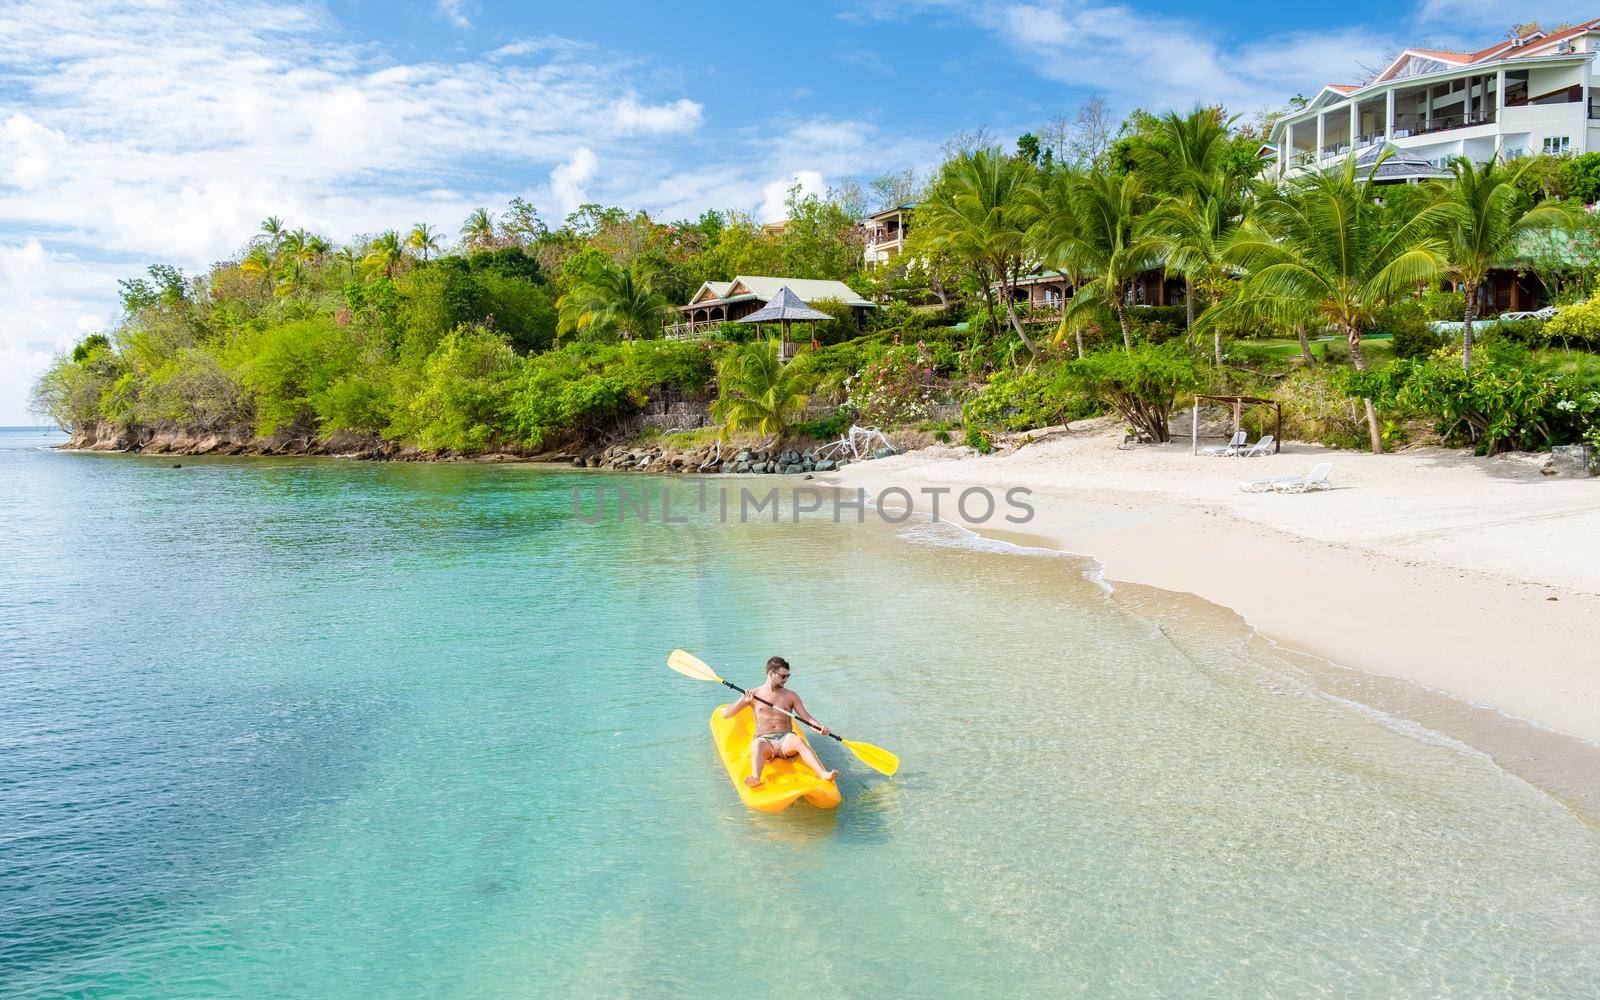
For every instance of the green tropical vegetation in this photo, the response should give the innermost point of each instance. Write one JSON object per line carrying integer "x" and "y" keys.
{"x": 1358, "y": 306}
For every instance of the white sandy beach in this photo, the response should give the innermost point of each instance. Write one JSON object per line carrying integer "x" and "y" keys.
{"x": 1476, "y": 577}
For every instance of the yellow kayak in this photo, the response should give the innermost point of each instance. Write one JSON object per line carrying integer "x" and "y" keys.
{"x": 782, "y": 781}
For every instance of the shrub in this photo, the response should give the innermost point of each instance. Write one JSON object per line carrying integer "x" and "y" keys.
{"x": 898, "y": 388}
{"x": 1438, "y": 304}
{"x": 1316, "y": 409}
{"x": 556, "y": 394}
{"x": 1581, "y": 177}
{"x": 1407, "y": 321}
{"x": 831, "y": 426}
{"x": 89, "y": 346}
{"x": 519, "y": 309}
{"x": 1528, "y": 332}
{"x": 283, "y": 367}
{"x": 1495, "y": 407}
{"x": 460, "y": 400}
{"x": 1020, "y": 399}
{"x": 1172, "y": 316}
{"x": 1244, "y": 353}
{"x": 1141, "y": 385}
{"x": 674, "y": 364}
{"x": 1576, "y": 324}
{"x": 842, "y": 327}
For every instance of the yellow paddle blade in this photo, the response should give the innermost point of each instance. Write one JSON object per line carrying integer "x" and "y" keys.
{"x": 877, "y": 758}
{"x": 690, "y": 665}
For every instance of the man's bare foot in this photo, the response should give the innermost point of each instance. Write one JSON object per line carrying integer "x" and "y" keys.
{"x": 752, "y": 781}
{"x": 829, "y": 776}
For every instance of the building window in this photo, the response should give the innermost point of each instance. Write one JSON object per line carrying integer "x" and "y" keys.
{"x": 1557, "y": 143}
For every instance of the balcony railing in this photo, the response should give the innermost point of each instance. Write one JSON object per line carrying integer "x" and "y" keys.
{"x": 1407, "y": 125}
{"x": 1302, "y": 159}
{"x": 689, "y": 331}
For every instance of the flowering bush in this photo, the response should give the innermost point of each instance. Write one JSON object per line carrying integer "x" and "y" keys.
{"x": 1579, "y": 324}
{"x": 898, "y": 388}
{"x": 1495, "y": 407}
{"x": 1021, "y": 399}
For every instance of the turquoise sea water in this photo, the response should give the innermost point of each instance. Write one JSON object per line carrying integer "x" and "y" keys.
{"x": 335, "y": 729}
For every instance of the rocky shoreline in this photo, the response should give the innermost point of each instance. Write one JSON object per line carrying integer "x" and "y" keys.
{"x": 774, "y": 460}
{"x": 795, "y": 458}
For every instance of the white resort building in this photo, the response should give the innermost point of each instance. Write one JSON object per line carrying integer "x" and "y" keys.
{"x": 886, "y": 235}
{"x": 1524, "y": 95}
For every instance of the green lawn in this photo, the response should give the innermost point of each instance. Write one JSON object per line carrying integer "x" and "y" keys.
{"x": 1378, "y": 346}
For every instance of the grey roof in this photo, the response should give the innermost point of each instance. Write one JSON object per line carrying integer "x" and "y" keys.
{"x": 907, "y": 207}
{"x": 1399, "y": 166}
{"x": 785, "y": 306}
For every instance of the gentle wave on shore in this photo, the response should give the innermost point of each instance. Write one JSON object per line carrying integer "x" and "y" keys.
{"x": 338, "y": 729}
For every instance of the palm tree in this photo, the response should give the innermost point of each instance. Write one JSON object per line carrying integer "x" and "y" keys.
{"x": 1191, "y": 162}
{"x": 291, "y": 278}
{"x": 980, "y": 209}
{"x": 273, "y": 227}
{"x": 259, "y": 262}
{"x": 345, "y": 257}
{"x": 614, "y": 301}
{"x": 1488, "y": 216}
{"x": 294, "y": 244}
{"x": 1053, "y": 234}
{"x": 385, "y": 251}
{"x": 478, "y": 230}
{"x": 1327, "y": 247}
{"x": 757, "y": 391}
{"x": 1191, "y": 154}
{"x": 1111, "y": 247}
{"x": 1193, "y": 231}
{"x": 423, "y": 238}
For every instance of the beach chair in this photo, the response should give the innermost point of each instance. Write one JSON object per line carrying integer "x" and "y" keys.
{"x": 1262, "y": 447}
{"x": 1232, "y": 448}
{"x": 1316, "y": 479}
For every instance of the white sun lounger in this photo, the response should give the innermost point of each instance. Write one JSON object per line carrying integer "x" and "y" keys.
{"x": 1316, "y": 479}
{"x": 1262, "y": 447}
{"x": 1232, "y": 447}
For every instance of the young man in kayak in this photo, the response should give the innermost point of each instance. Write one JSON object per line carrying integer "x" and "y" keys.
{"x": 775, "y": 735}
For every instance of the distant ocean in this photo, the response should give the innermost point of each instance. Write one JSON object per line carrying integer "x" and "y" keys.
{"x": 343, "y": 729}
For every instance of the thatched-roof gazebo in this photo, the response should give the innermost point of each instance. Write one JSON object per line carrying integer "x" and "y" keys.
{"x": 785, "y": 308}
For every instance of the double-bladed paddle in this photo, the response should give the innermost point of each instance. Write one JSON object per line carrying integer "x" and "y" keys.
{"x": 877, "y": 758}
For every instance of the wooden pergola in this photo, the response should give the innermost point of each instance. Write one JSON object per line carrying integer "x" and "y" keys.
{"x": 1238, "y": 403}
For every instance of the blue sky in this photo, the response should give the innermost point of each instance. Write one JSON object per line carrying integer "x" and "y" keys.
{"x": 163, "y": 130}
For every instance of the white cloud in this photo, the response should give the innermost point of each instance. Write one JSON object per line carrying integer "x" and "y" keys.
{"x": 537, "y": 46}
{"x": 455, "y": 11}
{"x": 1163, "y": 63}
{"x": 633, "y": 117}
{"x": 29, "y": 152}
{"x": 51, "y": 301}
{"x": 567, "y": 180}
{"x": 775, "y": 194}
{"x": 1489, "y": 14}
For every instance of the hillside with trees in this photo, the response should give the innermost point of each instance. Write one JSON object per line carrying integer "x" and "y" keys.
{"x": 1357, "y": 305}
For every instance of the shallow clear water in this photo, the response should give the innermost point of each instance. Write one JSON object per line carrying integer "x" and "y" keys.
{"x": 320, "y": 728}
